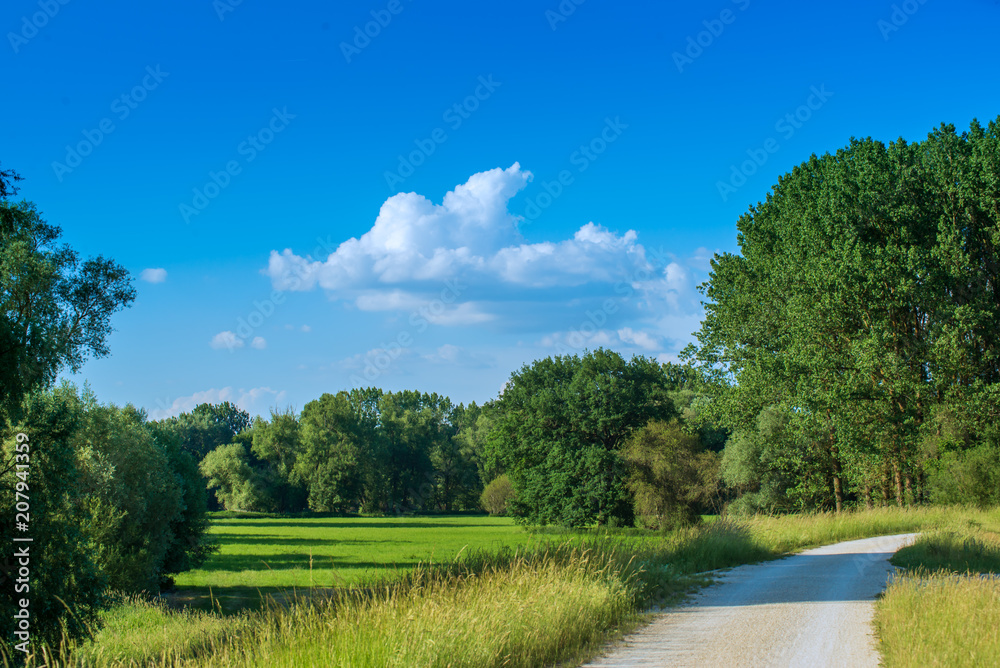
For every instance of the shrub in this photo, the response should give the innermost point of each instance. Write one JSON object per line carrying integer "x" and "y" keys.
{"x": 969, "y": 477}
{"x": 133, "y": 499}
{"x": 64, "y": 574}
{"x": 496, "y": 495}
{"x": 669, "y": 477}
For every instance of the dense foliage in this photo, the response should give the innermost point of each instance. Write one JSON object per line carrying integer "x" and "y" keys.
{"x": 857, "y": 334}
{"x": 560, "y": 427}
{"x": 55, "y": 309}
{"x": 363, "y": 450}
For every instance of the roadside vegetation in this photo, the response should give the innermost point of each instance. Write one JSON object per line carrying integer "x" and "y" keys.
{"x": 944, "y": 609}
{"x": 556, "y": 597}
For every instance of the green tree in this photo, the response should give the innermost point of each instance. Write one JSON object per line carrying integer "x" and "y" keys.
{"x": 191, "y": 544}
{"x": 207, "y": 427}
{"x": 672, "y": 477}
{"x": 559, "y": 429}
{"x": 497, "y": 495}
{"x": 278, "y": 444}
{"x": 55, "y": 310}
{"x": 8, "y": 177}
{"x": 863, "y": 298}
{"x": 237, "y": 484}
{"x": 133, "y": 499}
{"x": 329, "y": 464}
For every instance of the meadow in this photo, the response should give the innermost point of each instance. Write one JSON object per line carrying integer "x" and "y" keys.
{"x": 261, "y": 555}
{"x": 495, "y": 594}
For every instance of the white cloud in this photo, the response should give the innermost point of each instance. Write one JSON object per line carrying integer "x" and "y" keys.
{"x": 259, "y": 342}
{"x": 415, "y": 244}
{"x": 701, "y": 259}
{"x": 255, "y": 401}
{"x": 577, "y": 340}
{"x": 453, "y": 355}
{"x": 306, "y": 328}
{"x": 226, "y": 340}
{"x": 641, "y": 339}
{"x": 378, "y": 359}
{"x": 464, "y": 262}
{"x": 153, "y": 275}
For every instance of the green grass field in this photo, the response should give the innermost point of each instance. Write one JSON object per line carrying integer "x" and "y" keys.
{"x": 262, "y": 556}
{"x": 510, "y": 598}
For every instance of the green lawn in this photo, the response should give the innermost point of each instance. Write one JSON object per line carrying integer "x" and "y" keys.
{"x": 266, "y": 555}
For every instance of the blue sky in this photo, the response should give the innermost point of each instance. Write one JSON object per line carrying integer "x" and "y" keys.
{"x": 427, "y": 195}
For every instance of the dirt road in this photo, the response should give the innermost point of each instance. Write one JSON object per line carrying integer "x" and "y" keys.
{"x": 811, "y": 609}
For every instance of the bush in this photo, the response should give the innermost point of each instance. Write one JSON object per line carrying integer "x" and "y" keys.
{"x": 237, "y": 484}
{"x": 133, "y": 500}
{"x": 67, "y": 585}
{"x": 971, "y": 477}
{"x": 670, "y": 477}
{"x": 496, "y": 495}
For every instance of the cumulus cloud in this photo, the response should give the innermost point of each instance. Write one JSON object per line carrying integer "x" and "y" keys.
{"x": 377, "y": 361}
{"x": 157, "y": 275}
{"x": 578, "y": 340}
{"x": 463, "y": 261}
{"x": 453, "y": 355}
{"x": 259, "y": 342}
{"x": 471, "y": 234}
{"x": 641, "y": 339}
{"x": 226, "y": 340}
{"x": 255, "y": 401}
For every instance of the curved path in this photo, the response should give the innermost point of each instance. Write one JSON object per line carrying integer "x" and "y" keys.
{"x": 814, "y": 608}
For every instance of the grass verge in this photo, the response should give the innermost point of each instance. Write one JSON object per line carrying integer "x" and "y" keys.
{"x": 944, "y": 609}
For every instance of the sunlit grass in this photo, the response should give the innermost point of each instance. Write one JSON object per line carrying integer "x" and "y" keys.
{"x": 945, "y": 609}
{"x": 519, "y": 599}
{"x": 264, "y": 555}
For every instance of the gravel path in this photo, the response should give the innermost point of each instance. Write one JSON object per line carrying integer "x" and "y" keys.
{"x": 811, "y": 609}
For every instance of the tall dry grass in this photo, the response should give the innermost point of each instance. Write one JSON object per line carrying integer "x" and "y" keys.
{"x": 944, "y": 609}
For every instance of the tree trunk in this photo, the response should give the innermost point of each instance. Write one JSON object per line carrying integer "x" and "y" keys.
{"x": 898, "y": 479}
{"x": 869, "y": 504}
{"x": 838, "y": 491}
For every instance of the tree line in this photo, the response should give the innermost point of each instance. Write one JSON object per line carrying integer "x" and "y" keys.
{"x": 574, "y": 440}
{"x": 365, "y": 450}
{"x": 855, "y": 338}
